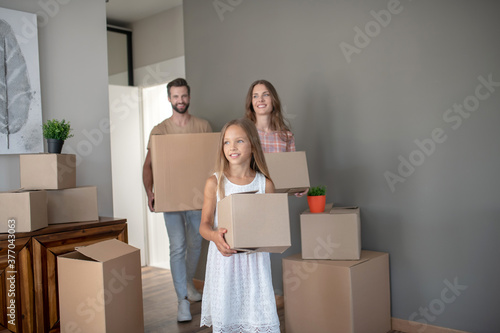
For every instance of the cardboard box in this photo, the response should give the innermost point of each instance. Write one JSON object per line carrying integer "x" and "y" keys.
{"x": 100, "y": 288}
{"x": 334, "y": 234}
{"x": 255, "y": 222}
{"x": 72, "y": 205}
{"x": 337, "y": 296}
{"x": 288, "y": 171}
{"x": 181, "y": 165}
{"x": 47, "y": 171}
{"x": 27, "y": 208}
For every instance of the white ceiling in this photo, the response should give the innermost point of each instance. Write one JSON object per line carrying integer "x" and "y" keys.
{"x": 123, "y": 12}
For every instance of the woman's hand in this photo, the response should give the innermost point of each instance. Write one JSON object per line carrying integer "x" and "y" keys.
{"x": 301, "y": 194}
{"x": 220, "y": 242}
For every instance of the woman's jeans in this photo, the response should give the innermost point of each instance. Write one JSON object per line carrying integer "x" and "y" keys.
{"x": 185, "y": 246}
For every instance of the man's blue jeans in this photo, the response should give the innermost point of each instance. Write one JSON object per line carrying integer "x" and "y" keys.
{"x": 185, "y": 246}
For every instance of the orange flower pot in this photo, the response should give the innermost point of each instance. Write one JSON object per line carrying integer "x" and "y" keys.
{"x": 317, "y": 203}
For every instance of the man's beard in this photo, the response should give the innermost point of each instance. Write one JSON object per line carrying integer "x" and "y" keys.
{"x": 177, "y": 110}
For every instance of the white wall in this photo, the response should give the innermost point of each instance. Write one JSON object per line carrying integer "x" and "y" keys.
{"x": 74, "y": 86}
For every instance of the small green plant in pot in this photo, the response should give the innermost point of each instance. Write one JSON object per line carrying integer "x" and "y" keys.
{"x": 56, "y": 132}
{"x": 316, "y": 198}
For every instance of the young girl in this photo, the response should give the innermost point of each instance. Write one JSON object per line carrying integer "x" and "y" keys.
{"x": 263, "y": 107}
{"x": 238, "y": 294}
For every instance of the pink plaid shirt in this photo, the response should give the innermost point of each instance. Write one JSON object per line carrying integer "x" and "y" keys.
{"x": 272, "y": 143}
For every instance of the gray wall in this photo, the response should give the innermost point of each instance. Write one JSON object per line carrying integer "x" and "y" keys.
{"x": 359, "y": 119}
{"x": 74, "y": 86}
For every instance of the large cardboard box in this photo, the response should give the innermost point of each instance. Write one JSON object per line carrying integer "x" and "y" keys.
{"x": 326, "y": 296}
{"x": 47, "y": 171}
{"x": 25, "y": 210}
{"x": 288, "y": 171}
{"x": 334, "y": 234}
{"x": 72, "y": 205}
{"x": 181, "y": 165}
{"x": 100, "y": 288}
{"x": 255, "y": 222}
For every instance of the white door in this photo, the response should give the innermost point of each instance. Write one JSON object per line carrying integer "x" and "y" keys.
{"x": 156, "y": 109}
{"x": 134, "y": 111}
{"x": 127, "y": 158}
{"x": 130, "y": 128}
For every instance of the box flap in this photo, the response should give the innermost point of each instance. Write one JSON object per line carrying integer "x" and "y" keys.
{"x": 74, "y": 255}
{"x": 270, "y": 249}
{"x": 249, "y": 192}
{"x": 21, "y": 190}
{"x": 344, "y": 210}
{"x": 338, "y": 263}
{"x": 106, "y": 250}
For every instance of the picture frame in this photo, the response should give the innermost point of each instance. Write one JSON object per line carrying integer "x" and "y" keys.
{"x": 20, "y": 97}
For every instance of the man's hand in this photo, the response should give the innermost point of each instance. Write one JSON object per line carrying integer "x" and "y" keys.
{"x": 147, "y": 179}
{"x": 151, "y": 201}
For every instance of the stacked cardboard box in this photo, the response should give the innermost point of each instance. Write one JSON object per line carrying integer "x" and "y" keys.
{"x": 48, "y": 194}
{"x": 334, "y": 234}
{"x": 341, "y": 296}
{"x": 56, "y": 173}
{"x": 347, "y": 290}
{"x": 23, "y": 211}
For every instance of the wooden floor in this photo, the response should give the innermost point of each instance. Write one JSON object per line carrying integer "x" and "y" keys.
{"x": 160, "y": 305}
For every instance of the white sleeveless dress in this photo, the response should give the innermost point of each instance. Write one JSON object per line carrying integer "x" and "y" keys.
{"x": 238, "y": 295}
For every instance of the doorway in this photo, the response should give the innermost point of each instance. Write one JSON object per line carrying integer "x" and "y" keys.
{"x": 134, "y": 111}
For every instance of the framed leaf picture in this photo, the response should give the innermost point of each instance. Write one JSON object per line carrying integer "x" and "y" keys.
{"x": 20, "y": 100}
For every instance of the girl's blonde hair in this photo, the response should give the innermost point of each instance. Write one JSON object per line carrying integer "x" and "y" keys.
{"x": 278, "y": 122}
{"x": 257, "y": 162}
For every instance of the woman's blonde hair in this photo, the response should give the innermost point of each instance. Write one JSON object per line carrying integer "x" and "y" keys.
{"x": 278, "y": 122}
{"x": 257, "y": 162}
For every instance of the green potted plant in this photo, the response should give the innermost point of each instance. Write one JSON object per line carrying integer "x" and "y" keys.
{"x": 56, "y": 132}
{"x": 316, "y": 198}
